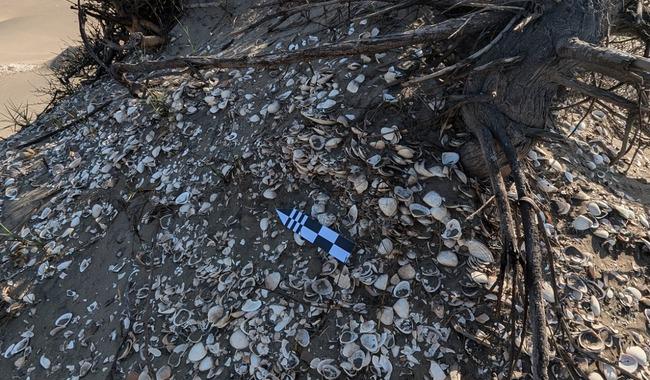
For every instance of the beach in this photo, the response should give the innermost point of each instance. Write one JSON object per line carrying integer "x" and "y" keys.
{"x": 32, "y": 32}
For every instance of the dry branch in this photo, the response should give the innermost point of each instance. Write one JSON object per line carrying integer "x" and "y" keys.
{"x": 467, "y": 24}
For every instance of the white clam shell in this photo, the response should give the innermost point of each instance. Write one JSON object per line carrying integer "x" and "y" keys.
{"x": 388, "y": 206}
{"x": 402, "y": 308}
{"x": 269, "y": 194}
{"x": 45, "y": 362}
{"x": 273, "y": 107}
{"x": 402, "y": 289}
{"x": 197, "y": 352}
{"x": 450, "y": 158}
{"x": 419, "y": 211}
{"x": 479, "y": 250}
{"x": 322, "y": 287}
{"x": 452, "y": 230}
{"x": 183, "y": 198}
{"x": 385, "y": 247}
{"x": 272, "y": 280}
{"x": 239, "y": 340}
{"x": 440, "y": 214}
{"x": 447, "y": 259}
{"x": 251, "y": 305}
{"x": 639, "y": 354}
{"x": 436, "y": 372}
{"x": 546, "y": 186}
{"x": 370, "y": 342}
{"x": 628, "y": 362}
{"x": 433, "y": 199}
{"x": 583, "y": 223}
{"x": 206, "y": 364}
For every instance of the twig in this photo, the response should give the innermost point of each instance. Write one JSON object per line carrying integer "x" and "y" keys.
{"x": 466, "y": 61}
{"x": 66, "y": 125}
{"x": 483, "y": 206}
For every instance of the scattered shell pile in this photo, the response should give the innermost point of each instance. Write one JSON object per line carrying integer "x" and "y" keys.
{"x": 167, "y": 203}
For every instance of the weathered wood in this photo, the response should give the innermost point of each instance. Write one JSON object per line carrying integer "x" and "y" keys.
{"x": 458, "y": 26}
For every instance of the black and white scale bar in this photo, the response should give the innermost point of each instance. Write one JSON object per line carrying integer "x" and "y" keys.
{"x": 323, "y": 237}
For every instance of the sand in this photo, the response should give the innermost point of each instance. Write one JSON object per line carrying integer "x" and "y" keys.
{"x": 32, "y": 32}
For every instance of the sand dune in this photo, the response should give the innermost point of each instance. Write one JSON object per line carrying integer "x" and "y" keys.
{"x": 32, "y": 32}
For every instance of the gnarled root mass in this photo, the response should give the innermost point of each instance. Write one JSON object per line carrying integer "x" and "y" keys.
{"x": 528, "y": 52}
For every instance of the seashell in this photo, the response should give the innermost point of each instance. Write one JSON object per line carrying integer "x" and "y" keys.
{"x": 447, "y": 259}
{"x": 11, "y": 192}
{"x": 45, "y": 362}
{"x": 322, "y": 287}
{"x": 391, "y": 134}
{"x": 317, "y": 142}
{"x": 215, "y": 313}
{"x": 628, "y": 362}
{"x": 164, "y": 373}
{"x": 591, "y": 341}
{"x": 404, "y": 325}
{"x": 353, "y": 87}
{"x": 382, "y": 282}
{"x": 273, "y": 107}
{"x": 452, "y": 230}
{"x": 546, "y": 186}
{"x": 598, "y": 115}
{"x": 406, "y": 272}
{"x": 479, "y": 250}
{"x": 96, "y": 210}
{"x": 183, "y": 198}
{"x": 251, "y": 305}
{"x": 264, "y": 224}
{"x": 272, "y": 280}
{"x": 348, "y": 336}
{"x": 328, "y": 371}
{"x": 433, "y": 199}
{"x": 325, "y": 105}
{"x": 450, "y": 158}
{"x": 625, "y": 212}
{"x": 563, "y": 207}
{"x": 269, "y": 194}
{"x": 419, "y": 211}
{"x": 594, "y": 209}
{"x": 385, "y": 247}
{"x": 238, "y": 340}
{"x": 402, "y": 289}
{"x": 197, "y": 352}
{"x": 601, "y": 233}
{"x": 206, "y": 364}
{"x": 388, "y": 206}
{"x": 639, "y": 354}
{"x": 406, "y": 152}
{"x": 583, "y": 223}
{"x": 608, "y": 371}
{"x": 440, "y": 214}
{"x": 302, "y": 337}
{"x": 333, "y": 142}
{"x": 359, "y": 359}
{"x": 595, "y": 305}
{"x": 436, "y": 372}
{"x": 402, "y": 308}
{"x": 63, "y": 320}
{"x": 370, "y": 342}
{"x": 479, "y": 277}
{"x": 382, "y": 365}
{"x": 403, "y": 193}
{"x": 387, "y": 315}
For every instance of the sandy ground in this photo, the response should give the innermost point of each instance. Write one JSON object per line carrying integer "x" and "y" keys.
{"x": 32, "y": 32}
